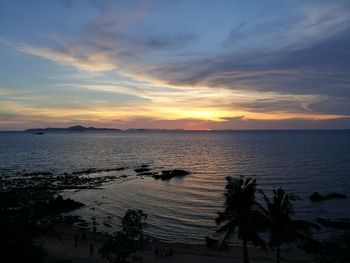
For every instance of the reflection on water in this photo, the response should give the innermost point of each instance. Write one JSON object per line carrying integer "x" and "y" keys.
{"x": 183, "y": 209}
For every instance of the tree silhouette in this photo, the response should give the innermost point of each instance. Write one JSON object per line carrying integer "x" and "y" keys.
{"x": 21, "y": 236}
{"x": 281, "y": 226}
{"x": 131, "y": 238}
{"x": 242, "y": 214}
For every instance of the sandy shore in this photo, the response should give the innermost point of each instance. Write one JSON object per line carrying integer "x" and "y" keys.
{"x": 64, "y": 250}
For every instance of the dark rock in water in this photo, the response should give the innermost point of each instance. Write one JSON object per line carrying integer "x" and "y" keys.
{"x": 37, "y": 173}
{"x": 60, "y": 182}
{"x": 142, "y": 170}
{"x": 317, "y": 197}
{"x": 168, "y": 174}
{"x": 339, "y": 224}
{"x": 87, "y": 171}
{"x": 94, "y": 170}
{"x": 147, "y": 174}
{"x": 144, "y": 166}
{"x": 112, "y": 169}
{"x": 60, "y": 205}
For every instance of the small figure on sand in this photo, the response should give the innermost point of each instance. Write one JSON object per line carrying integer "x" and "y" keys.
{"x": 91, "y": 249}
{"x": 94, "y": 228}
{"x": 75, "y": 240}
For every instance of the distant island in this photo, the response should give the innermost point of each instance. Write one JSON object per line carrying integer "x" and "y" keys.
{"x": 77, "y": 128}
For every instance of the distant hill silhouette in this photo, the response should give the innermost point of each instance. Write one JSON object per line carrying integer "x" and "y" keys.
{"x": 77, "y": 128}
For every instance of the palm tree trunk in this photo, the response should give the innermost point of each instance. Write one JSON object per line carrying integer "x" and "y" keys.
{"x": 245, "y": 251}
{"x": 278, "y": 246}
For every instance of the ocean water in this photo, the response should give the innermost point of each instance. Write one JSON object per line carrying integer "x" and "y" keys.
{"x": 184, "y": 209}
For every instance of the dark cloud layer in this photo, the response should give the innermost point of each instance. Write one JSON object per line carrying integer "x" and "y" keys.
{"x": 287, "y": 71}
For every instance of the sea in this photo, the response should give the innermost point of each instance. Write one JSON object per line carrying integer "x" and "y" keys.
{"x": 184, "y": 209}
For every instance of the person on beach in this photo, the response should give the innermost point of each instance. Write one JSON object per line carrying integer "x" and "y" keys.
{"x": 91, "y": 249}
{"x": 75, "y": 240}
{"x": 94, "y": 224}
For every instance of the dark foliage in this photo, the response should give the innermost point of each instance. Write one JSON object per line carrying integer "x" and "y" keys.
{"x": 20, "y": 238}
{"x": 334, "y": 250}
{"x": 131, "y": 238}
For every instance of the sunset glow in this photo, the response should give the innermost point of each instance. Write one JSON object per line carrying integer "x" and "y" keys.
{"x": 151, "y": 64}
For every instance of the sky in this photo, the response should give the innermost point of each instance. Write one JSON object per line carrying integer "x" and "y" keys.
{"x": 175, "y": 64}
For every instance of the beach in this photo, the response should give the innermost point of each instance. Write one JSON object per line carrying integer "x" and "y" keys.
{"x": 64, "y": 250}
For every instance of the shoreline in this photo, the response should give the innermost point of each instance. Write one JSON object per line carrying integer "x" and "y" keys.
{"x": 42, "y": 192}
{"x": 64, "y": 249}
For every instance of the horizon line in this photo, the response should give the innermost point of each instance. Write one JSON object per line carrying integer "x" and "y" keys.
{"x": 182, "y": 130}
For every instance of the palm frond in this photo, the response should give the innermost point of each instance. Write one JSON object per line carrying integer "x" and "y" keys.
{"x": 229, "y": 226}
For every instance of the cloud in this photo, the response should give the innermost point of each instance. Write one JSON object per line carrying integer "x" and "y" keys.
{"x": 335, "y": 105}
{"x": 161, "y": 41}
{"x": 294, "y": 123}
{"x": 296, "y": 70}
{"x": 81, "y": 57}
{"x": 312, "y": 24}
{"x": 287, "y": 103}
{"x": 112, "y": 29}
{"x": 320, "y": 22}
{"x": 193, "y": 81}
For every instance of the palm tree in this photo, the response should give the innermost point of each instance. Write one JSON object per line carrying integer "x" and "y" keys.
{"x": 242, "y": 214}
{"x": 281, "y": 226}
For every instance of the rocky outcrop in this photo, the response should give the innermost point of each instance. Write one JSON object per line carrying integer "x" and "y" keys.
{"x": 317, "y": 197}
{"x": 142, "y": 170}
{"x": 59, "y": 205}
{"x": 37, "y": 174}
{"x": 94, "y": 170}
{"x": 168, "y": 174}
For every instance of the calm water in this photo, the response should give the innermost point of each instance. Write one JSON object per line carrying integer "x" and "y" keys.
{"x": 184, "y": 209}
